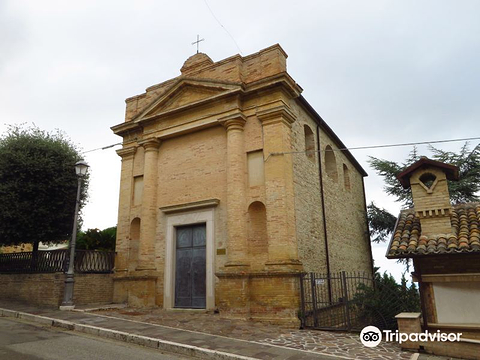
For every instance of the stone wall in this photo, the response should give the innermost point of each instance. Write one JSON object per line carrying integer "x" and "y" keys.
{"x": 347, "y": 231}
{"x": 308, "y": 199}
{"x": 348, "y": 238}
{"x": 266, "y": 297}
{"x": 193, "y": 166}
{"x": 47, "y": 289}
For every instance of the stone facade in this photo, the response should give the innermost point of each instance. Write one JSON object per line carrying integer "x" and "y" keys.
{"x": 233, "y": 145}
{"x": 48, "y": 289}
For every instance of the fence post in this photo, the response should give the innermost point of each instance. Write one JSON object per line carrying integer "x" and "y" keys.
{"x": 302, "y": 297}
{"x": 345, "y": 299}
{"x": 314, "y": 299}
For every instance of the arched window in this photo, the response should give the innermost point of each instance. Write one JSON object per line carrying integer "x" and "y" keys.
{"x": 309, "y": 142}
{"x": 257, "y": 234}
{"x": 133, "y": 244}
{"x": 331, "y": 163}
{"x": 346, "y": 177}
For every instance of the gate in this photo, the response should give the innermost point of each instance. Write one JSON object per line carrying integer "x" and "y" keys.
{"x": 350, "y": 301}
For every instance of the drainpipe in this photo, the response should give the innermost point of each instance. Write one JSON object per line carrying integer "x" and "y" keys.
{"x": 324, "y": 215}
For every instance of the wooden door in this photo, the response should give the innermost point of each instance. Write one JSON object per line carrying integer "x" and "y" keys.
{"x": 190, "y": 272}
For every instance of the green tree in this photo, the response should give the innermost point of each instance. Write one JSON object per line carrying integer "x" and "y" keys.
{"x": 38, "y": 186}
{"x": 381, "y": 222}
{"x": 95, "y": 239}
{"x": 379, "y": 302}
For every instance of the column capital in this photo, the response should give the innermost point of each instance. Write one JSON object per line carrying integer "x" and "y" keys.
{"x": 151, "y": 144}
{"x": 234, "y": 121}
{"x": 125, "y": 153}
{"x": 277, "y": 114}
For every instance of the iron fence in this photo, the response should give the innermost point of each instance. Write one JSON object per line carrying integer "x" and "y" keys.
{"x": 51, "y": 261}
{"x": 348, "y": 301}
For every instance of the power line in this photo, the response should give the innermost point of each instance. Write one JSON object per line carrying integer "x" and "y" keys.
{"x": 103, "y": 148}
{"x": 410, "y": 144}
{"x": 375, "y": 146}
{"x": 224, "y": 28}
{"x": 340, "y": 149}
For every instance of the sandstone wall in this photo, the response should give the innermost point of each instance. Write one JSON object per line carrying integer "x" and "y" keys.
{"x": 308, "y": 199}
{"x": 192, "y": 168}
{"x": 344, "y": 203}
{"x": 47, "y": 289}
{"x": 348, "y": 238}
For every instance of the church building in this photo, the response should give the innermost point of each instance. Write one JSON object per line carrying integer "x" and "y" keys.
{"x": 231, "y": 185}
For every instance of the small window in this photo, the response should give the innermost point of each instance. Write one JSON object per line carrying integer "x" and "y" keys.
{"x": 428, "y": 180}
{"x": 309, "y": 143}
{"x": 331, "y": 163}
{"x": 346, "y": 177}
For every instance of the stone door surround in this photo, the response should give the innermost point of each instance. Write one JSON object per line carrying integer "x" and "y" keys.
{"x": 189, "y": 214}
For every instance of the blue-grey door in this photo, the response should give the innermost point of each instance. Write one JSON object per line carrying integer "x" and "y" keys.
{"x": 190, "y": 272}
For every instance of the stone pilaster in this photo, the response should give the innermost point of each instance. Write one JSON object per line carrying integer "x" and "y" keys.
{"x": 280, "y": 205}
{"x": 123, "y": 228}
{"x": 236, "y": 212}
{"x": 146, "y": 258}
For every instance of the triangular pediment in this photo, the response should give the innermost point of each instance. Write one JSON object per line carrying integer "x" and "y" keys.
{"x": 186, "y": 93}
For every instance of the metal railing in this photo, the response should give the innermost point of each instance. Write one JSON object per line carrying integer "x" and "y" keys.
{"x": 51, "y": 261}
{"x": 348, "y": 301}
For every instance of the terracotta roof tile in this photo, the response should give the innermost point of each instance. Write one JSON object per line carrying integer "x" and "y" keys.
{"x": 408, "y": 241}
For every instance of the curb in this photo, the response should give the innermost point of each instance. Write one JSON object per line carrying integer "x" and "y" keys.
{"x": 164, "y": 345}
{"x": 102, "y": 307}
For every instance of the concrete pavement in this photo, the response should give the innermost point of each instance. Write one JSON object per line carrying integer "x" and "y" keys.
{"x": 24, "y": 341}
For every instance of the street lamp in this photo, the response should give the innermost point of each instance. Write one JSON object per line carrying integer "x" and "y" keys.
{"x": 67, "y": 303}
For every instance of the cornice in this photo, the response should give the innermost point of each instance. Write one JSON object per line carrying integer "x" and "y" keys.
{"x": 275, "y": 115}
{"x": 191, "y": 206}
{"x": 282, "y": 79}
{"x": 225, "y": 89}
{"x": 126, "y": 152}
{"x": 125, "y": 127}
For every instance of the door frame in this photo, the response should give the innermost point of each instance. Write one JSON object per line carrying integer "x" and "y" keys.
{"x": 205, "y": 216}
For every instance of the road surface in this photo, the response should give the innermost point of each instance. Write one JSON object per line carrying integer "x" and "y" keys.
{"x": 24, "y": 341}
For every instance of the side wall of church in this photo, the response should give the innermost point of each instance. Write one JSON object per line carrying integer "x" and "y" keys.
{"x": 348, "y": 239}
{"x": 344, "y": 202}
{"x": 308, "y": 199}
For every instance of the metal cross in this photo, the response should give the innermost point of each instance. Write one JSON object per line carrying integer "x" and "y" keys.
{"x": 197, "y": 42}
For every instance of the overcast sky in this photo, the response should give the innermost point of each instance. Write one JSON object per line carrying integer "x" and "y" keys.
{"x": 378, "y": 72}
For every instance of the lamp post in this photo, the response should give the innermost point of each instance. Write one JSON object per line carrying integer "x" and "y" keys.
{"x": 67, "y": 303}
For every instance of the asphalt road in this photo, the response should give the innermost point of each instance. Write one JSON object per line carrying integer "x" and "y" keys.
{"x": 24, "y": 341}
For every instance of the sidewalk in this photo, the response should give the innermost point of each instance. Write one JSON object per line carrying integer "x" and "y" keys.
{"x": 207, "y": 335}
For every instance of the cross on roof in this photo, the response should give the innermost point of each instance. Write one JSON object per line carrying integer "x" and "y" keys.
{"x": 197, "y": 42}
